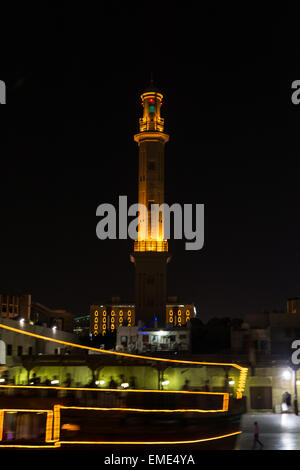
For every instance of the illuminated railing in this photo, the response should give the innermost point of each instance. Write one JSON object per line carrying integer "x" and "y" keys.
{"x": 130, "y": 399}
{"x": 151, "y": 245}
{"x": 242, "y": 382}
{"x": 55, "y": 435}
{"x": 151, "y": 125}
{"x": 126, "y": 403}
{"x": 242, "y": 370}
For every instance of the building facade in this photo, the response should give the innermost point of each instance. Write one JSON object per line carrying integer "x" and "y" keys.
{"x": 21, "y": 306}
{"x": 108, "y": 317}
{"x": 142, "y": 340}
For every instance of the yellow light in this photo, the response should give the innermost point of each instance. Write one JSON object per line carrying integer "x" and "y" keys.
{"x": 141, "y": 410}
{"x": 23, "y": 446}
{"x": 194, "y": 441}
{"x": 56, "y": 425}
{"x": 43, "y": 387}
{"x": 71, "y": 427}
{"x": 24, "y": 410}
{"x": 49, "y": 424}
{"x": 242, "y": 382}
{"x": 1, "y": 423}
{"x": 57, "y": 408}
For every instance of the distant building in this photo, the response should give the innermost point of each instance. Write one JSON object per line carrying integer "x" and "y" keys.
{"x": 108, "y": 317}
{"x": 21, "y": 306}
{"x": 17, "y": 346}
{"x": 15, "y": 305}
{"x": 268, "y": 333}
{"x": 82, "y": 325}
{"x": 293, "y": 305}
{"x": 141, "y": 340}
{"x": 178, "y": 314}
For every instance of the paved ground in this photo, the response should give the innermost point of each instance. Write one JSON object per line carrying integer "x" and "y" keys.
{"x": 277, "y": 431}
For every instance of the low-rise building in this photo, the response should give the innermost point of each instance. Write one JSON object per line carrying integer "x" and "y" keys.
{"x": 140, "y": 339}
{"x": 21, "y": 306}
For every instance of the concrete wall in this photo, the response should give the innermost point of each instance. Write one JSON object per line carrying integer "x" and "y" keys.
{"x": 38, "y": 346}
{"x": 271, "y": 377}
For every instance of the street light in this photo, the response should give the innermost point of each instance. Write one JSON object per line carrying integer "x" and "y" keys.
{"x": 286, "y": 375}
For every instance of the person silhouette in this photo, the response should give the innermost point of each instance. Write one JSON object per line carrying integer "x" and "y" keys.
{"x": 256, "y": 437}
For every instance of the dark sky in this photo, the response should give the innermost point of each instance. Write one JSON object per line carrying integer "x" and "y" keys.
{"x": 74, "y": 81}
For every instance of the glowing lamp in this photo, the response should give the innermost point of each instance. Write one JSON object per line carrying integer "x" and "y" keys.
{"x": 100, "y": 382}
{"x": 53, "y": 382}
{"x": 286, "y": 375}
{"x": 231, "y": 382}
{"x": 162, "y": 333}
{"x": 165, "y": 382}
{"x": 125, "y": 385}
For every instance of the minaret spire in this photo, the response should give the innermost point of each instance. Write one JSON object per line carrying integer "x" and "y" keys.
{"x": 151, "y": 80}
{"x": 151, "y": 248}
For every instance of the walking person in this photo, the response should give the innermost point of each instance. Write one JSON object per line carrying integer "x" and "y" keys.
{"x": 256, "y": 437}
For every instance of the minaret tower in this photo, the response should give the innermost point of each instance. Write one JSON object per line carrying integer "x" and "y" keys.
{"x": 151, "y": 249}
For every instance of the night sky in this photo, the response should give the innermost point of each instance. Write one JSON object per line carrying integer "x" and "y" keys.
{"x": 74, "y": 81}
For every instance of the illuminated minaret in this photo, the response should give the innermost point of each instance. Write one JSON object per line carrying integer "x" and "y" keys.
{"x": 151, "y": 249}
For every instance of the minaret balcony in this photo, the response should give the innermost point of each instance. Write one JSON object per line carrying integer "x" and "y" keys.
{"x": 151, "y": 245}
{"x": 151, "y": 124}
